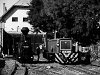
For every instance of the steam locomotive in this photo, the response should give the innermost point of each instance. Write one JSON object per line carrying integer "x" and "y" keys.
{"x": 25, "y": 53}
{"x": 22, "y": 46}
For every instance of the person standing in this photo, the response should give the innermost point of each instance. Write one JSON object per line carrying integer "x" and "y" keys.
{"x": 38, "y": 52}
{"x": 1, "y": 52}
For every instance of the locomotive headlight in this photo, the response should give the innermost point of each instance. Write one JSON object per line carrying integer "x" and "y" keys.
{"x": 19, "y": 57}
{"x": 31, "y": 57}
{"x": 57, "y": 44}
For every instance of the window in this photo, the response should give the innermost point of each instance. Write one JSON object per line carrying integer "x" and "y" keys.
{"x": 65, "y": 44}
{"x": 25, "y": 19}
{"x": 14, "y": 19}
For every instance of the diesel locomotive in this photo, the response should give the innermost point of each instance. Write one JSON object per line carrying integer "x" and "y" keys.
{"x": 64, "y": 51}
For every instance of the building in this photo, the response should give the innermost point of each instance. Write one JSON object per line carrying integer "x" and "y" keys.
{"x": 13, "y": 20}
{"x": 16, "y": 17}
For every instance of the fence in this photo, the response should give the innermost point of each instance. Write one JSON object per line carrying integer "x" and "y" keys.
{"x": 95, "y": 52}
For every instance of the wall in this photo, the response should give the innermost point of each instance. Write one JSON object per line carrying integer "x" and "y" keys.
{"x": 17, "y": 26}
{"x": 1, "y": 33}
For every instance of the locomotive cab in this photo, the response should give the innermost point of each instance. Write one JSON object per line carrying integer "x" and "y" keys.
{"x": 57, "y": 46}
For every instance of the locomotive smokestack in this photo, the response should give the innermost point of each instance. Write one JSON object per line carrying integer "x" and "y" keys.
{"x": 25, "y": 30}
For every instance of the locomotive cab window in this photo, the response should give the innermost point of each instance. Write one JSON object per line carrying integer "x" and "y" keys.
{"x": 65, "y": 44}
{"x": 14, "y": 19}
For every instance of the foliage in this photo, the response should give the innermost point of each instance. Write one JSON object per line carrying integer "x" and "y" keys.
{"x": 86, "y": 16}
{"x": 77, "y": 19}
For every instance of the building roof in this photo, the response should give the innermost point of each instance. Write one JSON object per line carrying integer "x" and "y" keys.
{"x": 20, "y": 3}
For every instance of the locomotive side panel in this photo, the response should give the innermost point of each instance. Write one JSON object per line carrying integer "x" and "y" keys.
{"x": 59, "y": 45}
{"x": 52, "y": 46}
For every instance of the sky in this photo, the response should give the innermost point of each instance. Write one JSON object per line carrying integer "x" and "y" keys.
{"x": 8, "y": 4}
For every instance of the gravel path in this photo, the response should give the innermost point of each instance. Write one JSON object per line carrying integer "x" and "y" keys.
{"x": 13, "y": 67}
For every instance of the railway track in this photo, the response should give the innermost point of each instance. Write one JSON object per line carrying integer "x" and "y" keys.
{"x": 76, "y": 68}
{"x": 8, "y": 68}
{"x": 49, "y": 69}
{"x": 12, "y": 68}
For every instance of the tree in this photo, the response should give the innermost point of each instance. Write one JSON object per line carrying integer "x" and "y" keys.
{"x": 77, "y": 19}
{"x": 86, "y": 16}
{"x": 50, "y": 17}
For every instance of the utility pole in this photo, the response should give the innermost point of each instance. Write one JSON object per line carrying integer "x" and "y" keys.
{"x": 55, "y": 36}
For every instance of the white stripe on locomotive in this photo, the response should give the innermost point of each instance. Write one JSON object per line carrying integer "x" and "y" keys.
{"x": 68, "y": 57}
{"x": 58, "y": 58}
{"x": 66, "y": 54}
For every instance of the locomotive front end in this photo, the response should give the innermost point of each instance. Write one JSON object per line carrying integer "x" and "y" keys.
{"x": 64, "y": 51}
